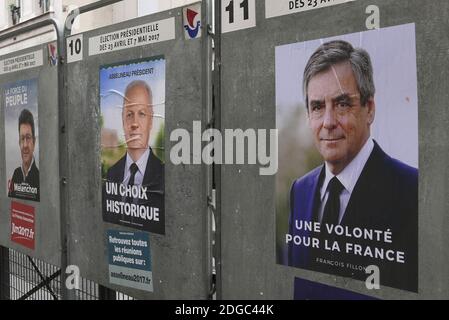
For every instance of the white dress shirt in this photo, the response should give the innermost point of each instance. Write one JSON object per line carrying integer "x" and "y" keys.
{"x": 348, "y": 178}
{"x": 25, "y": 174}
{"x": 141, "y": 164}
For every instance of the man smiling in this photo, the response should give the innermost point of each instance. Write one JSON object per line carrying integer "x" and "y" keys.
{"x": 359, "y": 185}
{"x": 25, "y": 180}
{"x": 139, "y": 174}
{"x": 137, "y": 118}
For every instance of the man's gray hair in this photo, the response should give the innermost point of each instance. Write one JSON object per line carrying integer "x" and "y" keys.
{"x": 334, "y": 52}
{"x": 142, "y": 84}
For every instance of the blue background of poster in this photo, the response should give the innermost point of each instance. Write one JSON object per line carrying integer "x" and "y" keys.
{"x": 309, "y": 290}
{"x": 112, "y": 93}
{"x": 13, "y": 158}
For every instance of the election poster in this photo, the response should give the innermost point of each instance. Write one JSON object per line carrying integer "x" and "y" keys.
{"x": 347, "y": 185}
{"x": 132, "y": 101}
{"x": 130, "y": 259}
{"x": 22, "y": 139}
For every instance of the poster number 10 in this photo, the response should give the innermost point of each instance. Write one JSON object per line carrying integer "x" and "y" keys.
{"x": 244, "y": 5}
{"x": 238, "y": 15}
{"x": 75, "y": 48}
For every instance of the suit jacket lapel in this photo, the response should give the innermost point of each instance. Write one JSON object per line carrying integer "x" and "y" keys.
{"x": 152, "y": 173}
{"x": 121, "y": 172}
{"x": 309, "y": 207}
{"x": 313, "y": 199}
{"x": 364, "y": 189}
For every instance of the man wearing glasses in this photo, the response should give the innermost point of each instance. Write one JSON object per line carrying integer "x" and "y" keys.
{"x": 359, "y": 188}
{"x": 25, "y": 180}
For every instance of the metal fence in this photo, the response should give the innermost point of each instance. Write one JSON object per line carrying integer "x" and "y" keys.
{"x": 26, "y": 278}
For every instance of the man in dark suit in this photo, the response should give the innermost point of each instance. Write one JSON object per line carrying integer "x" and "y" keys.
{"x": 24, "y": 183}
{"x": 139, "y": 173}
{"x": 369, "y": 198}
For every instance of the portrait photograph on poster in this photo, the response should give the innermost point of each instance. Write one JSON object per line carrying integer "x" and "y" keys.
{"x": 347, "y": 184}
{"x": 132, "y": 102}
{"x": 21, "y": 139}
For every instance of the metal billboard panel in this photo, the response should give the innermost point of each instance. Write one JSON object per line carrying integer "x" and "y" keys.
{"x": 178, "y": 255}
{"x": 29, "y": 212}
{"x": 251, "y": 265}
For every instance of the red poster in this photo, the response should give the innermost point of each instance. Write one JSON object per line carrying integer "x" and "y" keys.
{"x": 22, "y": 224}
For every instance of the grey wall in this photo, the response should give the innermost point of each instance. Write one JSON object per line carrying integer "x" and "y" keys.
{"x": 47, "y": 222}
{"x": 248, "y": 221}
{"x": 179, "y": 258}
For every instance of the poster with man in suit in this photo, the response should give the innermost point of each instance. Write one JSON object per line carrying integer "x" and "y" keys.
{"x": 352, "y": 192}
{"x": 132, "y": 98}
{"x": 21, "y": 132}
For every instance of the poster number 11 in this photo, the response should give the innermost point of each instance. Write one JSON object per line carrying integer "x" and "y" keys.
{"x": 238, "y": 14}
{"x": 243, "y": 5}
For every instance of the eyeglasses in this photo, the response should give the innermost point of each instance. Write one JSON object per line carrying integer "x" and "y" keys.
{"x": 26, "y": 138}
